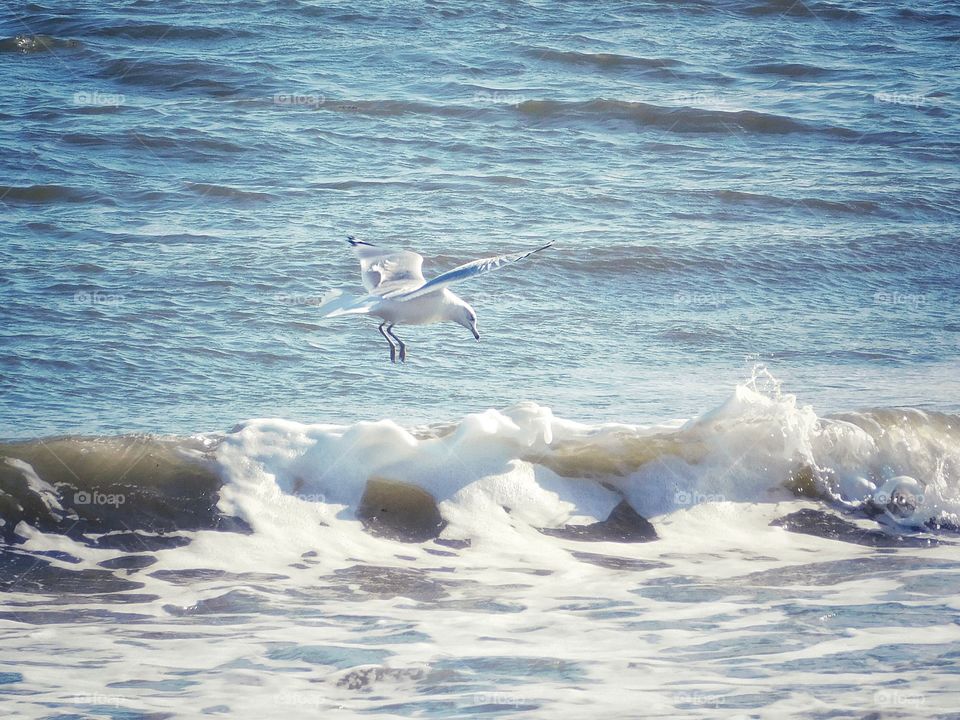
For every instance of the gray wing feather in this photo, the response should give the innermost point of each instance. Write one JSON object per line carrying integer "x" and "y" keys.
{"x": 463, "y": 272}
{"x": 380, "y": 266}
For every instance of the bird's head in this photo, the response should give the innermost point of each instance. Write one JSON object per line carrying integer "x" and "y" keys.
{"x": 468, "y": 318}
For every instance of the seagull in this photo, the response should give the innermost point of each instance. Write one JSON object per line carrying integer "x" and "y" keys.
{"x": 398, "y": 293}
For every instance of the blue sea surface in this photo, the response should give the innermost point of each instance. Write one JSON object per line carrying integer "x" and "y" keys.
{"x": 725, "y": 182}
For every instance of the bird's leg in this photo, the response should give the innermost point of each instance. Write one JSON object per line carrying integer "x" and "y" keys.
{"x": 403, "y": 347}
{"x": 393, "y": 349}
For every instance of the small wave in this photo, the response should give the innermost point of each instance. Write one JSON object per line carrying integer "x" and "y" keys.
{"x": 86, "y": 267}
{"x": 36, "y": 43}
{"x": 183, "y": 238}
{"x": 225, "y": 191}
{"x": 505, "y": 180}
{"x": 853, "y": 207}
{"x": 169, "y": 32}
{"x": 173, "y": 75}
{"x": 604, "y": 60}
{"x": 397, "y": 108}
{"x": 419, "y": 186}
{"x": 937, "y": 18}
{"x": 47, "y": 194}
{"x": 85, "y": 139}
{"x": 676, "y": 119}
{"x": 791, "y": 70}
{"x": 183, "y": 140}
{"x": 791, "y": 8}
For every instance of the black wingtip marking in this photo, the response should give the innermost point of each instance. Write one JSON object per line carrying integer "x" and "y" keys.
{"x": 536, "y": 250}
{"x": 354, "y": 242}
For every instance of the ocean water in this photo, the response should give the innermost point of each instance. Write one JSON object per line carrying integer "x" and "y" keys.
{"x": 704, "y": 462}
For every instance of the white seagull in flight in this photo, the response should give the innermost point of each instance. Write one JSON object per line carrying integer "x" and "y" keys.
{"x": 398, "y": 293}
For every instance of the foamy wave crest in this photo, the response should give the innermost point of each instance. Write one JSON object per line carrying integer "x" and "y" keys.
{"x": 494, "y": 477}
{"x": 495, "y": 472}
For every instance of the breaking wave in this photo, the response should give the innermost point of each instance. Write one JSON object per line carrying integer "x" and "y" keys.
{"x": 490, "y": 473}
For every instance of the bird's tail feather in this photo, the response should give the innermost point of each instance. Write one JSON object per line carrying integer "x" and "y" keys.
{"x": 336, "y": 303}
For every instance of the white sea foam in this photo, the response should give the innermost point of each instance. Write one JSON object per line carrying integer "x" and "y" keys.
{"x": 726, "y": 613}
{"x": 496, "y": 473}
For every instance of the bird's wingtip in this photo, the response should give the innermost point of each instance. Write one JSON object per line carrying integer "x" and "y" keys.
{"x": 354, "y": 242}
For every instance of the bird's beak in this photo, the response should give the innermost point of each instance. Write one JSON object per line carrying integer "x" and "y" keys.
{"x": 475, "y": 334}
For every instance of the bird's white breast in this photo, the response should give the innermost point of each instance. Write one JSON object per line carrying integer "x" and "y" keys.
{"x": 432, "y": 308}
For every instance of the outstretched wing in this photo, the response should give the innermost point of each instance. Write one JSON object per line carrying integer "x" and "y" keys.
{"x": 464, "y": 272}
{"x": 336, "y": 303}
{"x": 383, "y": 270}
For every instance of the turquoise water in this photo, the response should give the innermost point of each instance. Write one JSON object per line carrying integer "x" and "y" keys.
{"x": 704, "y": 462}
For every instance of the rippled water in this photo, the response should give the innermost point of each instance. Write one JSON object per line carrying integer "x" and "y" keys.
{"x": 726, "y": 181}
{"x": 722, "y": 180}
